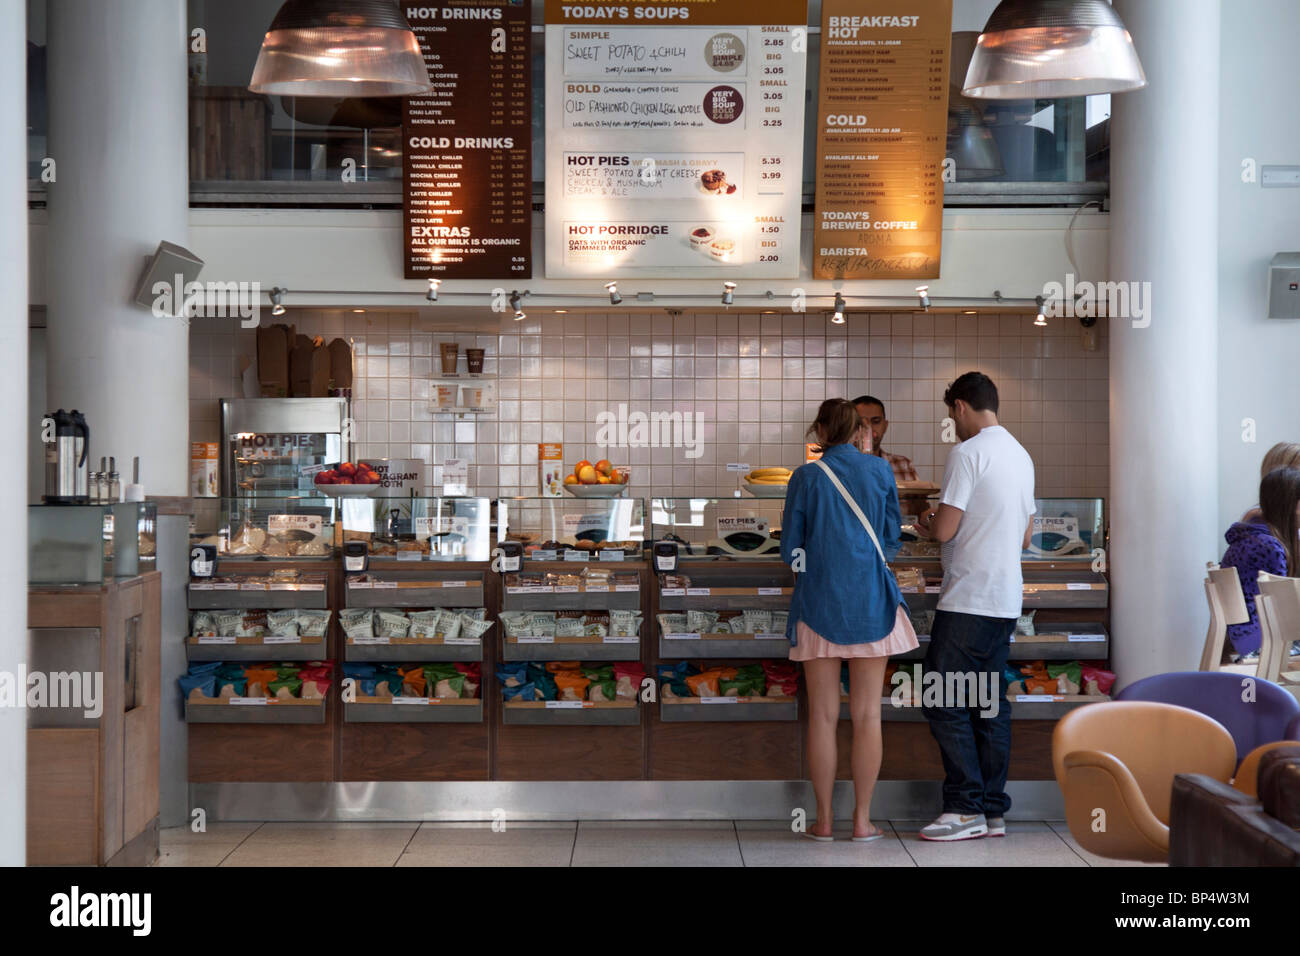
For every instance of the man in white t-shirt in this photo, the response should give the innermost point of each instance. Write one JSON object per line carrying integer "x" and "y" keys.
{"x": 984, "y": 521}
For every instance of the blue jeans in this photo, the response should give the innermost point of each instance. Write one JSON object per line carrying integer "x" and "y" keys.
{"x": 976, "y": 750}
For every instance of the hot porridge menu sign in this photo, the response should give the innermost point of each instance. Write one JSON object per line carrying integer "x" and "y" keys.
{"x": 467, "y": 150}
{"x": 674, "y": 137}
{"x": 882, "y": 130}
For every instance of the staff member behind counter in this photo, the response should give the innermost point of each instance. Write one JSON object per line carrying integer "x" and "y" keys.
{"x": 872, "y": 411}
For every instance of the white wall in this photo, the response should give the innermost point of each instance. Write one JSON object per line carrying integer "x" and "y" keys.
{"x": 1258, "y": 357}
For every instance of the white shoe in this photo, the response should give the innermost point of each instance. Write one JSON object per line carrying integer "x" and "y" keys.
{"x": 950, "y": 827}
{"x": 997, "y": 826}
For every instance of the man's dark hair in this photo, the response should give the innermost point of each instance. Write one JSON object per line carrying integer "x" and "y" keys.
{"x": 871, "y": 400}
{"x": 975, "y": 389}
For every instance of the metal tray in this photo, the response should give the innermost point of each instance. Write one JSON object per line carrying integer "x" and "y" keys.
{"x": 379, "y": 710}
{"x": 312, "y": 649}
{"x": 281, "y": 712}
{"x": 722, "y": 646}
{"x": 571, "y": 650}
{"x": 617, "y": 713}
{"x": 215, "y": 600}
{"x": 744, "y": 709}
{"x": 572, "y": 601}
{"x": 412, "y": 652}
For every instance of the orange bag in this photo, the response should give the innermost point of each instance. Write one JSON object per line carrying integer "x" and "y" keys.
{"x": 570, "y": 685}
{"x": 556, "y": 666}
{"x": 413, "y": 681}
{"x": 261, "y": 676}
{"x": 705, "y": 683}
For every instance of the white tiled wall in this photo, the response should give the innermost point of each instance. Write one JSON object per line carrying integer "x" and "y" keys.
{"x": 755, "y": 379}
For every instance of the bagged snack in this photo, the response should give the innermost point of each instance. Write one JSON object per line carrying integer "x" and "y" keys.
{"x": 568, "y": 624}
{"x": 282, "y": 623}
{"x": 474, "y": 628}
{"x": 672, "y": 623}
{"x": 424, "y": 624}
{"x": 543, "y": 682}
{"x": 541, "y": 623}
{"x": 236, "y": 687}
{"x": 1025, "y": 624}
{"x": 520, "y": 692}
{"x": 512, "y": 674}
{"x": 782, "y": 678}
{"x": 705, "y": 683}
{"x": 449, "y": 687}
{"x": 597, "y": 671}
{"x": 228, "y": 622}
{"x": 316, "y": 680}
{"x": 627, "y": 680}
{"x": 624, "y": 623}
{"x": 358, "y": 670}
{"x": 474, "y": 613}
{"x": 571, "y": 685}
{"x": 736, "y": 688}
{"x": 413, "y": 681}
{"x": 757, "y": 679}
{"x": 602, "y": 691}
{"x": 701, "y": 622}
{"x": 391, "y": 624}
{"x": 676, "y": 581}
{"x": 252, "y": 624}
{"x": 1068, "y": 676}
{"x": 516, "y": 623}
{"x": 259, "y": 679}
{"x": 196, "y": 686}
{"x": 1015, "y": 681}
{"x": 672, "y": 678}
{"x": 449, "y": 623}
{"x": 312, "y": 623}
{"x": 758, "y": 622}
{"x": 357, "y": 622}
{"x": 285, "y": 688}
{"x": 779, "y": 621}
{"x": 471, "y": 671}
{"x": 922, "y": 621}
{"x": 595, "y": 624}
{"x": 1097, "y": 681}
{"x": 554, "y": 667}
{"x": 203, "y": 624}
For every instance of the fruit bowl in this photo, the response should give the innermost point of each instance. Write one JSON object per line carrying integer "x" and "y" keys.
{"x": 596, "y": 491}
{"x": 765, "y": 490}
{"x": 352, "y": 491}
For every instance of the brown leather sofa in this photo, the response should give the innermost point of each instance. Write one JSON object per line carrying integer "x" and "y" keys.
{"x": 1213, "y": 824}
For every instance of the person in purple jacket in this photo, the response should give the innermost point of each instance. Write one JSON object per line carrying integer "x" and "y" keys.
{"x": 1267, "y": 542}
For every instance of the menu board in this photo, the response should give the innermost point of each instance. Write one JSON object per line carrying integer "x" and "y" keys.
{"x": 881, "y": 136}
{"x": 674, "y": 138}
{"x": 467, "y": 146}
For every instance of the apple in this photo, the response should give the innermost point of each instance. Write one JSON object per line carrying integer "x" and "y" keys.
{"x": 347, "y": 468}
{"x": 604, "y": 467}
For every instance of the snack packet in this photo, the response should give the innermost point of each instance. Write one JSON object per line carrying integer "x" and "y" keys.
{"x": 779, "y": 621}
{"x": 449, "y": 623}
{"x": 701, "y": 622}
{"x": 595, "y": 624}
{"x": 424, "y": 624}
{"x": 627, "y": 680}
{"x": 571, "y": 685}
{"x": 673, "y": 623}
{"x": 1069, "y": 676}
{"x": 450, "y": 687}
{"x": 475, "y": 613}
{"x": 782, "y": 678}
{"x": 413, "y": 682}
{"x": 474, "y": 627}
{"x": 567, "y": 625}
{"x": 391, "y": 624}
{"x": 312, "y": 623}
{"x": 624, "y": 623}
{"x": 520, "y": 692}
{"x": 471, "y": 671}
{"x": 512, "y": 674}
{"x": 602, "y": 691}
{"x": 285, "y": 688}
{"x": 203, "y": 624}
{"x": 259, "y": 679}
{"x": 1025, "y": 624}
{"x": 195, "y": 686}
{"x": 357, "y": 622}
{"x": 282, "y": 623}
{"x": 758, "y": 622}
{"x": 1097, "y": 681}
{"x": 543, "y": 682}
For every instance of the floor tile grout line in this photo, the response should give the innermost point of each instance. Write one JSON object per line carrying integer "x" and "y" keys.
{"x": 740, "y": 847}
{"x": 407, "y": 845}
{"x": 573, "y": 847}
{"x": 247, "y": 836}
{"x": 903, "y": 843}
{"x": 1086, "y": 861}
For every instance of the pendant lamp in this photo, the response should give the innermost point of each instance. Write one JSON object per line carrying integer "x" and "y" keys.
{"x": 970, "y": 141}
{"x": 340, "y": 48}
{"x": 1047, "y": 49}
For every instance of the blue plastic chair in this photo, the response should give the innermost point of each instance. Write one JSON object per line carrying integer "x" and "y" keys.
{"x": 1273, "y": 715}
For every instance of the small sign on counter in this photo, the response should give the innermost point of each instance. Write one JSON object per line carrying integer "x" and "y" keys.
{"x": 455, "y": 477}
{"x": 279, "y": 524}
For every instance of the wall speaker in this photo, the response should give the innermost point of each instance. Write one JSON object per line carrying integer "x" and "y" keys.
{"x": 165, "y": 265}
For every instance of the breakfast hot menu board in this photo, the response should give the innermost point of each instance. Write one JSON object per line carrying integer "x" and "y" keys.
{"x": 674, "y": 137}
{"x": 882, "y": 131}
{"x": 467, "y": 157}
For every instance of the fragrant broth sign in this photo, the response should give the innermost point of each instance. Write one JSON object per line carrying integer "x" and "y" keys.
{"x": 467, "y": 150}
{"x": 674, "y": 138}
{"x": 881, "y": 138}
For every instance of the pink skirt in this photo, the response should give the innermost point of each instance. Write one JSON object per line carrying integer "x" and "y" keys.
{"x": 812, "y": 646}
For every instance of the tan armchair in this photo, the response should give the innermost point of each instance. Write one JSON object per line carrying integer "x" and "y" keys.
{"x": 1115, "y": 764}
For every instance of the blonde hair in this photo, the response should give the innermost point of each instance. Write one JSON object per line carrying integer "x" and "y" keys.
{"x": 1282, "y": 455}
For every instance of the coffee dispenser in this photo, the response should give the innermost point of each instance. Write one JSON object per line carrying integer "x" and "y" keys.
{"x": 67, "y": 450}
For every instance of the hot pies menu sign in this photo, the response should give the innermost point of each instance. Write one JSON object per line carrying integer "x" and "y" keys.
{"x": 674, "y": 137}
{"x": 882, "y": 130}
{"x": 467, "y": 156}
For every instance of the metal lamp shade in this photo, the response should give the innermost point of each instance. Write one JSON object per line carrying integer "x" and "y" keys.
{"x": 1049, "y": 49}
{"x": 340, "y": 48}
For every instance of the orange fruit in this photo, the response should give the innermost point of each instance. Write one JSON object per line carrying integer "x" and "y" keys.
{"x": 577, "y": 469}
{"x": 604, "y": 467}
{"x": 570, "y": 479}
{"x": 603, "y": 480}
{"x": 588, "y": 475}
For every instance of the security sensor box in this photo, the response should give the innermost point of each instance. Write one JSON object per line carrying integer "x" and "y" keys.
{"x": 1284, "y": 286}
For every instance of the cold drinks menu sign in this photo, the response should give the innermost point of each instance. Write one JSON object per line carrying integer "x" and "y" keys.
{"x": 882, "y": 128}
{"x": 674, "y": 138}
{"x": 467, "y": 146}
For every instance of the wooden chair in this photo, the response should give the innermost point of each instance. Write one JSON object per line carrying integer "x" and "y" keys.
{"x": 1279, "y": 625}
{"x": 1227, "y": 606}
{"x": 1115, "y": 764}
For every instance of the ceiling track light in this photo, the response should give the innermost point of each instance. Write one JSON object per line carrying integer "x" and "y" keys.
{"x": 923, "y": 296}
{"x": 728, "y": 293}
{"x": 1041, "y": 319}
{"x": 612, "y": 289}
{"x": 838, "y": 317}
{"x": 277, "y": 297}
{"x": 1051, "y": 49}
{"x": 432, "y": 294}
{"x": 516, "y": 303}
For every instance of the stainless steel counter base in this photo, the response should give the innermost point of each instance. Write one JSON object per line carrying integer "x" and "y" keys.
{"x": 588, "y": 800}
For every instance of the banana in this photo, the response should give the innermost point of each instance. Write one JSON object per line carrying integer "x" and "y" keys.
{"x": 770, "y": 473}
{"x": 768, "y": 481}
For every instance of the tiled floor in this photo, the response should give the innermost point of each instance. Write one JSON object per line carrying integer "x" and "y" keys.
{"x": 622, "y": 843}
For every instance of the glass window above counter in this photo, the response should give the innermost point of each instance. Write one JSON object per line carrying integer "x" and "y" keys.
{"x": 1065, "y": 529}
{"x": 550, "y": 528}
{"x": 732, "y": 527}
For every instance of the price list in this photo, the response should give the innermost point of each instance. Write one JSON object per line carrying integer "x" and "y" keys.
{"x": 467, "y": 156}
{"x": 881, "y": 139}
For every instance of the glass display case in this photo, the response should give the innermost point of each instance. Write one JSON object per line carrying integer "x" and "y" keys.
{"x": 548, "y": 527}
{"x": 1065, "y": 529}
{"x": 85, "y": 544}
{"x": 290, "y": 528}
{"x": 412, "y": 529}
{"x": 711, "y": 527}
{"x": 274, "y": 446}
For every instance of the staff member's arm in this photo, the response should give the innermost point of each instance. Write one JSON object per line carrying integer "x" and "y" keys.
{"x": 940, "y": 524}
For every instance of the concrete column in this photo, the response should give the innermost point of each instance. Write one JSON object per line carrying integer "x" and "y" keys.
{"x": 1163, "y": 379}
{"x": 14, "y": 422}
{"x": 119, "y": 137}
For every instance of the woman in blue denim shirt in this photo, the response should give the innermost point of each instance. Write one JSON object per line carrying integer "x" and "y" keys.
{"x": 846, "y": 603}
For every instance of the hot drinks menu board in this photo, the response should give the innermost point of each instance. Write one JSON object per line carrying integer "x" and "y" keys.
{"x": 467, "y": 146}
{"x": 882, "y": 132}
{"x": 674, "y": 137}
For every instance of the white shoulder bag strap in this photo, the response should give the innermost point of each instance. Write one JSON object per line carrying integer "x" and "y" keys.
{"x": 871, "y": 532}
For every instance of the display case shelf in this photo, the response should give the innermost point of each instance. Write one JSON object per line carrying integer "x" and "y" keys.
{"x": 1087, "y": 641}
{"x": 561, "y": 713}
{"x": 201, "y": 598}
{"x": 559, "y": 600}
{"x": 256, "y": 649}
{"x": 723, "y": 645}
{"x": 413, "y": 710}
{"x": 413, "y": 649}
{"x": 728, "y": 709}
{"x": 417, "y": 587}
{"x": 1042, "y": 707}
{"x": 220, "y": 710}
{"x": 725, "y": 598}
{"x": 571, "y": 649}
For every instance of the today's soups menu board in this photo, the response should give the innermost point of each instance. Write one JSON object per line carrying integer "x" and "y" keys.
{"x": 675, "y": 141}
